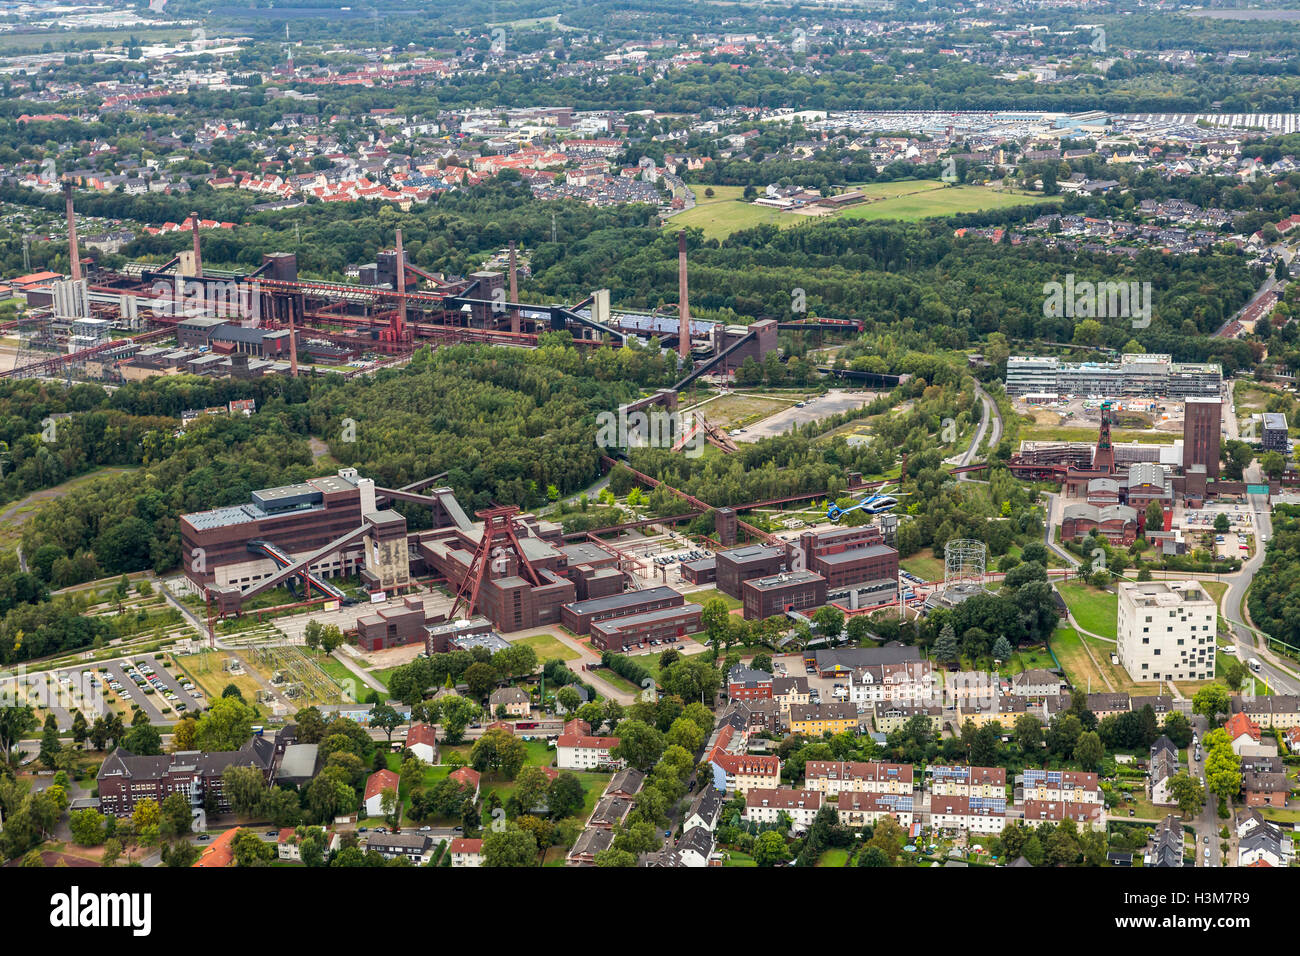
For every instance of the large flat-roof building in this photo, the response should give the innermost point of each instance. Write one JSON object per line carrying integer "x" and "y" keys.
{"x": 738, "y": 565}
{"x": 795, "y": 591}
{"x": 1202, "y": 424}
{"x": 1166, "y": 630}
{"x": 1133, "y": 376}
{"x": 579, "y": 616}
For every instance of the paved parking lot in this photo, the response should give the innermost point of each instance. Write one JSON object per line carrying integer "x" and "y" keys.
{"x": 173, "y": 684}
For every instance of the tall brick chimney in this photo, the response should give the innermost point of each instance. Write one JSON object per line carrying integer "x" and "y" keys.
{"x": 198, "y": 263}
{"x": 401, "y": 286}
{"x": 74, "y": 252}
{"x": 683, "y": 305}
{"x": 514, "y": 290}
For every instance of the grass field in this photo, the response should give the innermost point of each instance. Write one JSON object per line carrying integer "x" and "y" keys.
{"x": 206, "y": 671}
{"x": 721, "y": 214}
{"x": 1094, "y": 610}
{"x": 1118, "y": 676}
{"x": 925, "y": 568}
{"x": 739, "y": 410}
{"x": 940, "y": 201}
{"x": 1080, "y": 670}
{"x": 75, "y": 39}
{"x": 624, "y": 685}
{"x": 548, "y": 648}
{"x": 1071, "y": 433}
{"x": 834, "y": 857}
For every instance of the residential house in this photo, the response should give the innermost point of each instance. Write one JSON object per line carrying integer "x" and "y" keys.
{"x": 286, "y": 845}
{"x": 1265, "y": 845}
{"x": 790, "y": 690}
{"x": 1036, "y": 683}
{"x": 744, "y": 683}
{"x": 1265, "y": 789}
{"x": 590, "y": 842}
{"x": 1164, "y": 766}
{"x": 694, "y": 849}
{"x": 466, "y": 852}
{"x": 1166, "y": 845}
{"x": 415, "y": 846}
{"x": 765, "y": 806}
{"x": 585, "y": 753}
{"x": 705, "y": 810}
{"x": 739, "y": 773}
{"x": 1108, "y": 705}
{"x": 609, "y": 813}
{"x": 376, "y": 784}
{"x": 1067, "y": 786}
{"x": 1004, "y": 711}
{"x": 985, "y": 815}
{"x": 1277, "y": 710}
{"x": 813, "y": 720}
{"x": 511, "y": 701}
{"x": 467, "y": 777}
{"x": 955, "y": 781}
{"x": 1090, "y": 815}
{"x": 859, "y": 809}
{"x": 422, "y": 740}
{"x": 626, "y": 784}
{"x": 901, "y": 681}
{"x": 1242, "y": 731}
{"x": 833, "y": 777}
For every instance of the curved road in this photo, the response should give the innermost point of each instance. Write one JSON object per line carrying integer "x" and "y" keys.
{"x": 1243, "y": 635}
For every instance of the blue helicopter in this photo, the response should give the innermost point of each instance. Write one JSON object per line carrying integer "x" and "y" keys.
{"x": 878, "y": 502}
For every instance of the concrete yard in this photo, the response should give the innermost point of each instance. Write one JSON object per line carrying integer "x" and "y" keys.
{"x": 834, "y": 402}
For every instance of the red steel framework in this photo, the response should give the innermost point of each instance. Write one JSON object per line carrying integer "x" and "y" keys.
{"x": 498, "y": 530}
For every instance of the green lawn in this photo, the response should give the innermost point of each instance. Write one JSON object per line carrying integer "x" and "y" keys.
{"x": 624, "y": 685}
{"x": 925, "y": 568}
{"x": 1094, "y": 610}
{"x": 725, "y": 212}
{"x": 940, "y": 201}
{"x": 736, "y": 858}
{"x": 1280, "y": 815}
{"x": 834, "y": 857}
{"x": 1078, "y": 667}
{"x": 549, "y": 648}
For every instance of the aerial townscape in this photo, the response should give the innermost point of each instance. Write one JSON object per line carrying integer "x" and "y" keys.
{"x": 541, "y": 433}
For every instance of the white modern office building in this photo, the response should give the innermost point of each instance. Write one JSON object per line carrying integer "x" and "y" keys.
{"x": 1166, "y": 630}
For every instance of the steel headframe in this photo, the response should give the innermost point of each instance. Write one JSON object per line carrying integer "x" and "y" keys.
{"x": 498, "y": 526}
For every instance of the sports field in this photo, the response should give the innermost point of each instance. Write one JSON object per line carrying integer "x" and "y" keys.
{"x": 940, "y": 201}
{"x": 723, "y": 213}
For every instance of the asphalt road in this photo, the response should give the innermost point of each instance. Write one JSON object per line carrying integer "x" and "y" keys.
{"x": 1243, "y": 636}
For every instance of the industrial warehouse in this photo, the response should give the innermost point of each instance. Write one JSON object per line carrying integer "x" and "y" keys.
{"x": 515, "y": 571}
{"x": 178, "y": 317}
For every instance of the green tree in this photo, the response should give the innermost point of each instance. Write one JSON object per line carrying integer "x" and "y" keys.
{"x": 510, "y": 846}
{"x": 226, "y": 725}
{"x": 639, "y": 744}
{"x": 1210, "y": 701}
{"x": 1088, "y": 751}
{"x": 50, "y": 744}
{"x": 770, "y": 849}
{"x": 245, "y": 789}
{"x": 498, "y": 751}
{"x": 1188, "y": 793}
